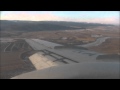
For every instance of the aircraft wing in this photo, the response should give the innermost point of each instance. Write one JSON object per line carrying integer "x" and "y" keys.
{"x": 76, "y": 71}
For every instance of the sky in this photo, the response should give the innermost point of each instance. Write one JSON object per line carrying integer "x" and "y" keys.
{"x": 105, "y": 17}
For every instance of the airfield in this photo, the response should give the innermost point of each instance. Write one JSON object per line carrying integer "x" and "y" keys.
{"x": 22, "y": 55}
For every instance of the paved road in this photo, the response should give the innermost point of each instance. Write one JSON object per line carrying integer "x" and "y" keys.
{"x": 96, "y": 43}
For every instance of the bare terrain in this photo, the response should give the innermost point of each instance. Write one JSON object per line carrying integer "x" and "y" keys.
{"x": 110, "y": 46}
{"x": 77, "y": 37}
{"x": 14, "y": 53}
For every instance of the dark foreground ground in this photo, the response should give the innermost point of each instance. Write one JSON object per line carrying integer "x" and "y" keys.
{"x": 11, "y": 63}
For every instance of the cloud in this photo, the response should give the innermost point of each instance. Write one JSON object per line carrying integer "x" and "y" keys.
{"x": 108, "y": 20}
{"x": 45, "y": 16}
{"x": 27, "y": 16}
{"x": 49, "y": 16}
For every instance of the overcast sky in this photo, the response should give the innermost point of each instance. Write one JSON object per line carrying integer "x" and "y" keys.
{"x": 107, "y": 17}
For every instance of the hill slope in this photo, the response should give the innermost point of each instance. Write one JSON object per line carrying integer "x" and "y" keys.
{"x": 43, "y": 25}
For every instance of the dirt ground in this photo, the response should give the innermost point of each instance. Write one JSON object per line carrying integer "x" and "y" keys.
{"x": 110, "y": 46}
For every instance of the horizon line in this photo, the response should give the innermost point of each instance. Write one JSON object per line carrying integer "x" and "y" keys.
{"x": 61, "y": 21}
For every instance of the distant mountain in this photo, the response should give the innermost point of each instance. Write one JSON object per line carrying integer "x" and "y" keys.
{"x": 44, "y": 25}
